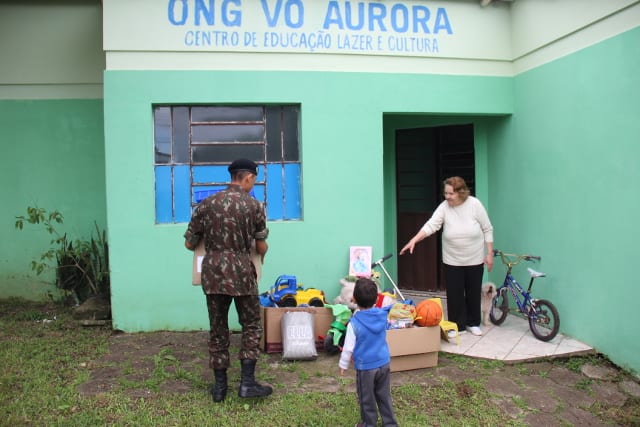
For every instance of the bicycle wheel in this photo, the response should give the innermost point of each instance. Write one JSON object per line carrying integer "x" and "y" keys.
{"x": 499, "y": 307}
{"x": 544, "y": 320}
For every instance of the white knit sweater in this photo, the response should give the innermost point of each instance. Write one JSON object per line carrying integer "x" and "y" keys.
{"x": 466, "y": 228}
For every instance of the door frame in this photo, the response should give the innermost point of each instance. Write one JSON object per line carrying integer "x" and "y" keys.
{"x": 395, "y": 121}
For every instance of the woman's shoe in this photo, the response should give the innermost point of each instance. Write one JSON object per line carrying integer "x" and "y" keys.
{"x": 475, "y": 330}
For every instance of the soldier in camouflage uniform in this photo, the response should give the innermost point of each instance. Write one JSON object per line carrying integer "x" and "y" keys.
{"x": 229, "y": 221}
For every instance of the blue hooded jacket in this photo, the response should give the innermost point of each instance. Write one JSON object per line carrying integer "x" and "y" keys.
{"x": 370, "y": 328}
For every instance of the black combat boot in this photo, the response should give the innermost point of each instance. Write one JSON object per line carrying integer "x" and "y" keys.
{"x": 248, "y": 385}
{"x": 219, "y": 389}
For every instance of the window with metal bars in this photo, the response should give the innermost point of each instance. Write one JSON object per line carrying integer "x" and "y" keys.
{"x": 194, "y": 145}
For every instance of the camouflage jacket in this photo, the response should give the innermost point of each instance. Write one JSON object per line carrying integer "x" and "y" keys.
{"x": 228, "y": 222}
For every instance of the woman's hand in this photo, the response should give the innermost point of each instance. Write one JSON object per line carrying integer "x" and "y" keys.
{"x": 408, "y": 247}
{"x": 488, "y": 261}
{"x": 420, "y": 235}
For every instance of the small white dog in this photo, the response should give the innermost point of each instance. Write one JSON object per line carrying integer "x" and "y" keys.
{"x": 486, "y": 298}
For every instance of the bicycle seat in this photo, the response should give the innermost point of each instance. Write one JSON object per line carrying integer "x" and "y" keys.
{"x": 534, "y": 273}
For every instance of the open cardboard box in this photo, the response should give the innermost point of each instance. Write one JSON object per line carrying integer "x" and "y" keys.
{"x": 271, "y": 318}
{"x": 413, "y": 348}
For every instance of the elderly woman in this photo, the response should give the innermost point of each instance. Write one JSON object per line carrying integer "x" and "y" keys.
{"x": 466, "y": 231}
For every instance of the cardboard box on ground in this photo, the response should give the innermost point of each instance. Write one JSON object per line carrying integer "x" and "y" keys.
{"x": 410, "y": 348}
{"x": 413, "y": 348}
{"x": 271, "y": 318}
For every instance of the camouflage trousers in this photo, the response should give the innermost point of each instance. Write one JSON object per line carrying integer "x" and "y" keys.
{"x": 248, "y": 308}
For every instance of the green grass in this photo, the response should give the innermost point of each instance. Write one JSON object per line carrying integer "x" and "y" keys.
{"x": 45, "y": 363}
{"x": 575, "y": 364}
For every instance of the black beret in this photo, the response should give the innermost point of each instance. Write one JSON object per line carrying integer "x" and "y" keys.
{"x": 243, "y": 165}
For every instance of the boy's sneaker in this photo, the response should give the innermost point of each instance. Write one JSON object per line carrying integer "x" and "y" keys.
{"x": 475, "y": 330}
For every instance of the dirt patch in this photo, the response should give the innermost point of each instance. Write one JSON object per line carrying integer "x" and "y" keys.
{"x": 133, "y": 359}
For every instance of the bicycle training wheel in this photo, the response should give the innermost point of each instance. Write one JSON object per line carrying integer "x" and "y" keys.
{"x": 499, "y": 307}
{"x": 544, "y": 320}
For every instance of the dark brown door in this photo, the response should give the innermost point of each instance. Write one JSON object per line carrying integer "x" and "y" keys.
{"x": 424, "y": 158}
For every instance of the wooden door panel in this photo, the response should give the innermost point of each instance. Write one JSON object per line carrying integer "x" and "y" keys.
{"x": 424, "y": 158}
{"x": 417, "y": 271}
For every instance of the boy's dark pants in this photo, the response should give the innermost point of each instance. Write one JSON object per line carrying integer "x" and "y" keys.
{"x": 374, "y": 390}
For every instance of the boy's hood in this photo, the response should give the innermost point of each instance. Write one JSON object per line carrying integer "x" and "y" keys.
{"x": 373, "y": 319}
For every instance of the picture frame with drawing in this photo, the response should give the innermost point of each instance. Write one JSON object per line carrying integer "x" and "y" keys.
{"x": 360, "y": 261}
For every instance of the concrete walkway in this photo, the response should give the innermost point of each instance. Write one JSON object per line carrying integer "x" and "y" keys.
{"x": 511, "y": 341}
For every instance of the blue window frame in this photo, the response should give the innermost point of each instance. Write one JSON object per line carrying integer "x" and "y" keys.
{"x": 195, "y": 144}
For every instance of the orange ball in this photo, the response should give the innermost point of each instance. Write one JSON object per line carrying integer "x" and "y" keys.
{"x": 428, "y": 313}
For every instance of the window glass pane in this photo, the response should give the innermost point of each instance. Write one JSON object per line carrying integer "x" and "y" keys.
{"x": 275, "y": 192}
{"x": 258, "y": 192}
{"x": 290, "y": 124}
{"x": 227, "y": 153}
{"x": 181, "y": 193}
{"x": 202, "y": 192}
{"x": 292, "y": 206}
{"x": 274, "y": 134}
{"x": 227, "y": 133}
{"x": 162, "y": 134}
{"x": 181, "y": 134}
{"x": 206, "y": 174}
{"x": 164, "y": 195}
{"x": 226, "y": 114}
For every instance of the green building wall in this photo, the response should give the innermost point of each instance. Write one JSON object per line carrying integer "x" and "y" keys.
{"x": 343, "y": 168}
{"x": 563, "y": 181}
{"x": 53, "y": 159}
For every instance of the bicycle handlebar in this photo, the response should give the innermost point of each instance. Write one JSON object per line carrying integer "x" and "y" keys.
{"x": 505, "y": 257}
{"x": 381, "y": 260}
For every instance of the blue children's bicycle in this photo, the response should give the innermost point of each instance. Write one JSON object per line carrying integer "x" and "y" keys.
{"x": 543, "y": 316}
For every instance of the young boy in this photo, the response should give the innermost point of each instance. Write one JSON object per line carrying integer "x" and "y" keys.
{"x": 366, "y": 344}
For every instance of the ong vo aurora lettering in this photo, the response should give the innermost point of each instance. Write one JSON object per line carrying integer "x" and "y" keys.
{"x": 344, "y": 16}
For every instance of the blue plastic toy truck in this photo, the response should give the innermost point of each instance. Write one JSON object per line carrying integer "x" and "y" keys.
{"x": 285, "y": 292}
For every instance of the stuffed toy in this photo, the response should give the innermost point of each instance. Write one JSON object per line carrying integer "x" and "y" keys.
{"x": 346, "y": 293}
